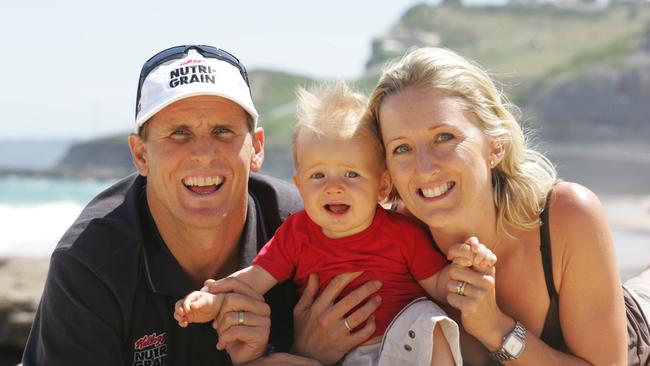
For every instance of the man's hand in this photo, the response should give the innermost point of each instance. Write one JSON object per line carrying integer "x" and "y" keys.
{"x": 243, "y": 320}
{"x": 320, "y": 326}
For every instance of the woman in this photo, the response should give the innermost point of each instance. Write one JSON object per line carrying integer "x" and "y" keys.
{"x": 460, "y": 164}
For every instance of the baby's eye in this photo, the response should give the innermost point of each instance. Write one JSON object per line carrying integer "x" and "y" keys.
{"x": 317, "y": 175}
{"x": 444, "y": 137}
{"x": 401, "y": 149}
{"x": 351, "y": 174}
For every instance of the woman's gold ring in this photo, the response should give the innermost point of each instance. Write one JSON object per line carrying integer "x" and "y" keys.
{"x": 240, "y": 321}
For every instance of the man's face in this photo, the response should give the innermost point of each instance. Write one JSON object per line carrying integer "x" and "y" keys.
{"x": 197, "y": 156}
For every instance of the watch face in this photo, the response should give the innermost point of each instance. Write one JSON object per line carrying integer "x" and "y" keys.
{"x": 513, "y": 345}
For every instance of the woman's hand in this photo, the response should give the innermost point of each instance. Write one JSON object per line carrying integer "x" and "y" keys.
{"x": 320, "y": 326}
{"x": 476, "y": 299}
{"x": 243, "y": 320}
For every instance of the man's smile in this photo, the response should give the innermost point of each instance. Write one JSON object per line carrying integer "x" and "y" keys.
{"x": 203, "y": 184}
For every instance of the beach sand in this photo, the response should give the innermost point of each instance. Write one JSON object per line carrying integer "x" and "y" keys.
{"x": 21, "y": 281}
{"x": 629, "y": 218}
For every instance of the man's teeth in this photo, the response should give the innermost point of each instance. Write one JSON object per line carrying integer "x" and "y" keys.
{"x": 436, "y": 191}
{"x": 203, "y": 181}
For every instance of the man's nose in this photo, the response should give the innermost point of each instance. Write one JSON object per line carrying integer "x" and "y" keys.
{"x": 204, "y": 148}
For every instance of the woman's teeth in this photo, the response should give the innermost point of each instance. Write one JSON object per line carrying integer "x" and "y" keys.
{"x": 436, "y": 191}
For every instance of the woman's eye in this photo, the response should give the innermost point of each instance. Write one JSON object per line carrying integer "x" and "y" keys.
{"x": 317, "y": 175}
{"x": 351, "y": 174}
{"x": 444, "y": 137}
{"x": 401, "y": 149}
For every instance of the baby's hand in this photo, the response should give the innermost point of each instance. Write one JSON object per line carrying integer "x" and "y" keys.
{"x": 472, "y": 253}
{"x": 197, "y": 307}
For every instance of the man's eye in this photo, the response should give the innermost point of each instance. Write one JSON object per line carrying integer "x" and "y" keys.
{"x": 351, "y": 174}
{"x": 180, "y": 133}
{"x": 317, "y": 175}
{"x": 222, "y": 130}
{"x": 401, "y": 149}
{"x": 444, "y": 137}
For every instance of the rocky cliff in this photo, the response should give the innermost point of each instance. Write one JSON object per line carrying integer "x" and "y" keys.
{"x": 610, "y": 100}
{"x": 104, "y": 158}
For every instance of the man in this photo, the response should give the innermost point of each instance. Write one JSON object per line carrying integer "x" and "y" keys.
{"x": 194, "y": 212}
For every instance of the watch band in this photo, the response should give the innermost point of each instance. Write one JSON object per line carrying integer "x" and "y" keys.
{"x": 503, "y": 354}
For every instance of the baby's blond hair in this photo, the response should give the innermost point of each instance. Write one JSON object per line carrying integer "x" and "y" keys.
{"x": 334, "y": 111}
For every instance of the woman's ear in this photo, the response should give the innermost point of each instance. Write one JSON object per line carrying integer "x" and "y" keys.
{"x": 497, "y": 152}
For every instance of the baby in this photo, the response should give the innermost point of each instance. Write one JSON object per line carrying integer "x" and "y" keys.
{"x": 341, "y": 175}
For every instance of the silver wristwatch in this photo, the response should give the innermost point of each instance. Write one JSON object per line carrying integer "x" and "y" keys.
{"x": 513, "y": 344}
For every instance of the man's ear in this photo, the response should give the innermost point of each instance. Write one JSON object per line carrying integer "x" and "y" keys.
{"x": 258, "y": 150}
{"x": 139, "y": 153}
{"x": 385, "y": 186}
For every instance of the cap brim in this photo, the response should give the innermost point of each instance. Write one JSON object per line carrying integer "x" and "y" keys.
{"x": 141, "y": 120}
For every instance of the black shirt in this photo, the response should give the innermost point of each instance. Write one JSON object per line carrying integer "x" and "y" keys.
{"x": 112, "y": 284}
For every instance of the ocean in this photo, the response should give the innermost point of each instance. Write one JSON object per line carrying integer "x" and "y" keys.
{"x": 34, "y": 214}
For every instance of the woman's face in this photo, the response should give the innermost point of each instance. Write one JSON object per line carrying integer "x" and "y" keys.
{"x": 437, "y": 156}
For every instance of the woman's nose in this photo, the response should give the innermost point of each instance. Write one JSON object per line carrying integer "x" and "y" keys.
{"x": 427, "y": 162}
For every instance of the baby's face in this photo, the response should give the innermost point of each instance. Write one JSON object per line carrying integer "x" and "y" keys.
{"x": 340, "y": 181}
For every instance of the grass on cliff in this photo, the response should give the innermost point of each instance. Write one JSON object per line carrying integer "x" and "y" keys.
{"x": 521, "y": 46}
{"x": 274, "y": 96}
{"x": 529, "y": 43}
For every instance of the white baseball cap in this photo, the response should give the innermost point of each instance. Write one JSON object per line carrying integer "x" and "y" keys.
{"x": 188, "y": 73}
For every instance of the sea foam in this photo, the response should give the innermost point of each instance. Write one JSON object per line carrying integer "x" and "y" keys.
{"x": 34, "y": 230}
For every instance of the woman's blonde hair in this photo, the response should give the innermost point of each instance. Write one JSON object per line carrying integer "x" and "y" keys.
{"x": 523, "y": 178}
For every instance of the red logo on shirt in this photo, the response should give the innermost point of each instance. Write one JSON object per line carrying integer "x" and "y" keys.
{"x": 151, "y": 340}
{"x": 150, "y": 350}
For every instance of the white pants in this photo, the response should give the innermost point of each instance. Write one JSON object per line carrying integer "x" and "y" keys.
{"x": 409, "y": 338}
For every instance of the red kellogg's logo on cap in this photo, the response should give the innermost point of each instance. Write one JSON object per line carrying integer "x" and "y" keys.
{"x": 190, "y": 61}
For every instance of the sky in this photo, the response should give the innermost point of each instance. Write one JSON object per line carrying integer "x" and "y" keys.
{"x": 70, "y": 67}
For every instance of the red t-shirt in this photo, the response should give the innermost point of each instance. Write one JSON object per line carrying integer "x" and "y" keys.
{"x": 393, "y": 249}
